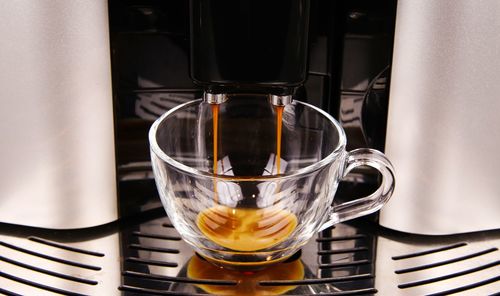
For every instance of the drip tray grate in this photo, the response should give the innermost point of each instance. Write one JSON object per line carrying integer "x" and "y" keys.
{"x": 338, "y": 262}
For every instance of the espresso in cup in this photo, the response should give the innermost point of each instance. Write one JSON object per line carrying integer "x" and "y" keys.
{"x": 245, "y": 229}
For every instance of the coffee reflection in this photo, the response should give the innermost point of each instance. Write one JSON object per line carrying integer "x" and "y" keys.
{"x": 247, "y": 282}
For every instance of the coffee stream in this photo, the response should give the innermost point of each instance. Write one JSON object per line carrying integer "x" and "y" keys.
{"x": 279, "y": 124}
{"x": 245, "y": 229}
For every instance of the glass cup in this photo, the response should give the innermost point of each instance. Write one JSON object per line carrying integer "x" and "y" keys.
{"x": 246, "y": 183}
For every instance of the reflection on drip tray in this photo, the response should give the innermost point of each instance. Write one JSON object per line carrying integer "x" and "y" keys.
{"x": 243, "y": 282}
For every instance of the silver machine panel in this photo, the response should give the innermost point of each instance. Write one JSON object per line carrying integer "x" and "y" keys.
{"x": 56, "y": 120}
{"x": 443, "y": 133}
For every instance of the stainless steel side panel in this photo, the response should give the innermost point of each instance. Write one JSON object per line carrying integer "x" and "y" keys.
{"x": 443, "y": 133}
{"x": 57, "y": 166}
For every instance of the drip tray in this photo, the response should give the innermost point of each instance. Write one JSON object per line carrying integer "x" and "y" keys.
{"x": 156, "y": 261}
{"x": 147, "y": 257}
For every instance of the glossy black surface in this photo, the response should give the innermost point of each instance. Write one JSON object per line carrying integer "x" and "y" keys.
{"x": 349, "y": 44}
{"x": 250, "y": 44}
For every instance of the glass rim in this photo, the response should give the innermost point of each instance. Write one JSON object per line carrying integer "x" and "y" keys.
{"x": 155, "y": 148}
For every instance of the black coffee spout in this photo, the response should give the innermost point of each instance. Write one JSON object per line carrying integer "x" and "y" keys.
{"x": 252, "y": 46}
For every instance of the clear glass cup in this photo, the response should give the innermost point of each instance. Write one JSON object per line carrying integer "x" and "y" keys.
{"x": 238, "y": 209}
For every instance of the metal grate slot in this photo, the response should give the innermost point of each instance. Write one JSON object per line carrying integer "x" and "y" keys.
{"x": 445, "y": 262}
{"x": 8, "y": 293}
{"x": 156, "y": 236}
{"x": 64, "y": 247}
{"x": 153, "y": 249}
{"x": 357, "y": 292}
{"x": 342, "y": 251}
{"x": 427, "y": 252}
{"x": 38, "y": 285}
{"x": 341, "y": 238}
{"x": 448, "y": 276}
{"x": 44, "y": 256}
{"x": 147, "y": 291}
{"x": 468, "y": 287}
{"x": 316, "y": 281}
{"x": 344, "y": 264}
{"x": 48, "y": 272}
{"x": 179, "y": 279}
{"x": 151, "y": 262}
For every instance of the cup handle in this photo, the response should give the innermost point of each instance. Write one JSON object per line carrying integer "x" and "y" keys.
{"x": 373, "y": 202}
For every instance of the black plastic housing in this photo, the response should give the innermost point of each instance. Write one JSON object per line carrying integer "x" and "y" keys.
{"x": 249, "y": 45}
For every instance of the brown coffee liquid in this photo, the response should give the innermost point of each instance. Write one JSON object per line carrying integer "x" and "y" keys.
{"x": 279, "y": 124}
{"x": 247, "y": 282}
{"x": 244, "y": 229}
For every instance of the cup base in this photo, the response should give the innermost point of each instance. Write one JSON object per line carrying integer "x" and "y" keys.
{"x": 250, "y": 266}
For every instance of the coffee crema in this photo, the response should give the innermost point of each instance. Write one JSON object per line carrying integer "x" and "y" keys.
{"x": 246, "y": 229}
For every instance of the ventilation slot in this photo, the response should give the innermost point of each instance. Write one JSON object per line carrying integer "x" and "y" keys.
{"x": 64, "y": 247}
{"x": 8, "y": 293}
{"x": 33, "y": 264}
{"x": 468, "y": 287}
{"x": 430, "y": 251}
{"x": 48, "y": 272}
{"x": 38, "y": 285}
{"x": 449, "y": 269}
{"x": 449, "y": 276}
{"x": 59, "y": 260}
{"x": 445, "y": 262}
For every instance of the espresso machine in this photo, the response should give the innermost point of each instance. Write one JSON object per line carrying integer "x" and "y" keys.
{"x": 83, "y": 81}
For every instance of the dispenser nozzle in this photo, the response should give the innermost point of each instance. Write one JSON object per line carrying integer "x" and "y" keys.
{"x": 214, "y": 98}
{"x": 280, "y": 100}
